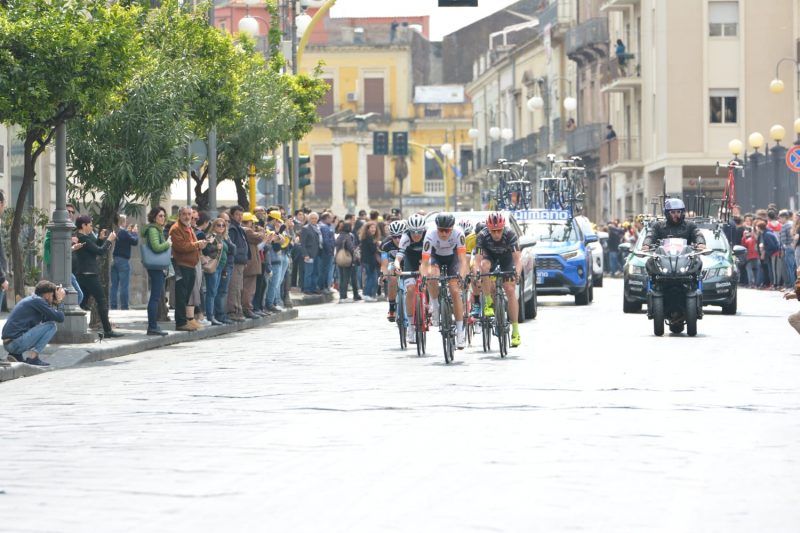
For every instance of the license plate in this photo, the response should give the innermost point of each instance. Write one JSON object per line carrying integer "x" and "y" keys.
{"x": 540, "y": 276}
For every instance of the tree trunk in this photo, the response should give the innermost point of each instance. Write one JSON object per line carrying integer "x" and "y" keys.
{"x": 201, "y": 197}
{"x": 29, "y": 172}
{"x": 241, "y": 194}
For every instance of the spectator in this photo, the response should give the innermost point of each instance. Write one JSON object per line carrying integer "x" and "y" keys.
{"x": 794, "y": 318}
{"x": 154, "y": 238}
{"x": 749, "y": 241}
{"x": 218, "y": 249}
{"x": 615, "y": 236}
{"x": 32, "y": 323}
{"x": 278, "y": 259}
{"x": 346, "y": 246}
{"x": 87, "y": 272}
{"x": 311, "y": 243}
{"x": 241, "y": 257}
{"x": 253, "y": 269}
{"x": 325, "y": 258}
{"x": 185, "y": 254}
{"x": 570, "y": 126}
{"x": 3, "y": 259}
{"x": 370, "y": 239}
{"x": 298, "y": 265}
{"x": 610, "y": 133}
{"x": 221, "y": 298}
{"x": 787, "y": 248}
{"x": 619, "y": 51}
{"x": 200, "y": 226}
{"x": 127, "y": 236}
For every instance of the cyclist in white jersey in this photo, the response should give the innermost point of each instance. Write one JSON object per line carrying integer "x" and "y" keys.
{"x": 446, "y": 248}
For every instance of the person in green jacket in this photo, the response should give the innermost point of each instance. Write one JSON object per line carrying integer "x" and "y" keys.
{"x": 153, "y": 237}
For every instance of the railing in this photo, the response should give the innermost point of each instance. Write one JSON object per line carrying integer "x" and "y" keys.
{"x": 612, "y": 71}
{"x": 619, "y": 150}
{"x": 585, "y": 139}
{"x": 593, "y": 32}
{"x": 521, "y": 148}
{"x": 437, "y": 187}
{"x": 556, "y": 13}
{"x": 558, "y": 131}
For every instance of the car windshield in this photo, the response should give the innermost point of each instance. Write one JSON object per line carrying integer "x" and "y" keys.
{"x": 715, "y": 241}
{"x": 549, "y": 231}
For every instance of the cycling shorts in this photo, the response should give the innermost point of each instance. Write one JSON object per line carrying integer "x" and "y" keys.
{"x": 506, "y": 261}
{"x": 449, "y": 261}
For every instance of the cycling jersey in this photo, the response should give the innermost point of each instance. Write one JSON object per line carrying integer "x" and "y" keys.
{"x": 389, "y": 249}
{"x": 452, "y": 244}
{"x": 410, "y": 252}
{"x": 490, "y": 248}
{"x": 470, "y": 241}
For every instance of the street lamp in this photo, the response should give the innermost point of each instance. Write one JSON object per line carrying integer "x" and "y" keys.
{"x": 735, "y": 147}
{"x": 473, "y": 133}
{"x": 494, "y": 133}
{"x": 776, "y": 85}
{"x": 777, "y": 133}
{"x": 507, "y": 134}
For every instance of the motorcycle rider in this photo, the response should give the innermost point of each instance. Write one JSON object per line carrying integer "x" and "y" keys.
{"x": 675, "y": 225}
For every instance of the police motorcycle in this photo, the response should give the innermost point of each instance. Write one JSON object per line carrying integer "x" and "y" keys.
{"x": 674, "y": 286}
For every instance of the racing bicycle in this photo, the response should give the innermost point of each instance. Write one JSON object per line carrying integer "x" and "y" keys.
{"x": 513, "y": 189}
{"x": 447, "y": 324}
{"x": 419, "y": 313}
{"x": 729, "y": 192}
{"x": 499, "y": 324}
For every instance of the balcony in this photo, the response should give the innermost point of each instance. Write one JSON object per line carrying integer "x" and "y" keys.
{"x": 557, "y": 13}
{"x": 523, "y": 148}
{"x": 585, "y": 139}
{"x": 436, "y": 187}
{"x": 619, "y": 5}
{"x": 622, "y": 154}
{"x": 616, "y": 78}
{"x": 588, "y": 42}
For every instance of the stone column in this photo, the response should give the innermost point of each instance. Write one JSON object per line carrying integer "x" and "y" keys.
{"x": 337, "y": 187}
{"x": 362, "y": 200}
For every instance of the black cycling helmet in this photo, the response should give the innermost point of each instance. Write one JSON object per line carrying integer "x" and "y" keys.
{"x": 479, "y": 227}
{"x": 445, "y": 220}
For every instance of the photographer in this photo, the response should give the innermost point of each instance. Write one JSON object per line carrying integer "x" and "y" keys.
{"x": 32, "y": 323}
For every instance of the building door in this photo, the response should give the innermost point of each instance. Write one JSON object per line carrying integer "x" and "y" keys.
{"x": 376, "y": 176}
{"x": 326, "y": 108}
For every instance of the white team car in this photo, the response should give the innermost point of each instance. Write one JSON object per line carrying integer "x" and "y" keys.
{"x": 596, "y": 247}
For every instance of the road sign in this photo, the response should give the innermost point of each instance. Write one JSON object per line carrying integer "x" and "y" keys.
{"x": 793, "y": 159}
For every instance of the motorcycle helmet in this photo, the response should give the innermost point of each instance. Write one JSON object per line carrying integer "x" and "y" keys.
{"x": 467, "y": 226}
{"x": 445, "y": 220}
{"x": 416, "y": 223}
{"x": 397, "y": 228}
{"x": 674, "y": 204}
{"x": 495, "y": 221}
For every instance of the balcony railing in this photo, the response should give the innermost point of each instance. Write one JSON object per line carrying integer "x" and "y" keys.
{"x": 585, "y": 139}
{"x": 521, "y": 148}
{"x": 620, "y": 150}
{"x": 436, "y": 187}
{"x": 592, "y": 35}
{"x": 612, "y": 71}
{"x": 556, "y": 13}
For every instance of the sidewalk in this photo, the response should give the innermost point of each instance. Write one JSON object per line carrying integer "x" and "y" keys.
{"x": 133, "y": 324}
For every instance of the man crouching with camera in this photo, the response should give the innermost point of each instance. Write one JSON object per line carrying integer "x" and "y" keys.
{"x": 32, "y": 323}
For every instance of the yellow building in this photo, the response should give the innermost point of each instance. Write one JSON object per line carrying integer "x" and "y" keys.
{"x": 383, "y": 77}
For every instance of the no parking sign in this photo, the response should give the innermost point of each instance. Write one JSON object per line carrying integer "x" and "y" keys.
{"x": 793, "y": 159}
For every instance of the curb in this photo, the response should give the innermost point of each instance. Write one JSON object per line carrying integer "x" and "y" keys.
{"x": 98, "y": 352}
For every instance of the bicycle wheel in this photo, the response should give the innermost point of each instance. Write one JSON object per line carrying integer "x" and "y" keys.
{"x": 446, "y": 326}
{"x": 419, "y": 326}
{"x": 500, "y": 322}
{"x": 486, "y": 327}
{"x": 401, "y": 319}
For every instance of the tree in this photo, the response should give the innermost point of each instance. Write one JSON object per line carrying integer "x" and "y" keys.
{"x": 59, "y": 60}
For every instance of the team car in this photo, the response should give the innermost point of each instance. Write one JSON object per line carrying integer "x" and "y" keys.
{"x": 527, "y": 284}
{"x": 564, "y": 264}
{"x": 596, "y": 248}
{"x": 719, "y": 277}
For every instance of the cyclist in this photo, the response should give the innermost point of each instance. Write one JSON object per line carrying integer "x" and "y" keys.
{"x": 476, "y": 268}
{"x": 446, "y": 247}
{"x": 389, "y": 248}
{"x": 498, "y": 246}
{"x": 408, "y": 257}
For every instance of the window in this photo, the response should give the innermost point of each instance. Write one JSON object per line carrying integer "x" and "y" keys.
{"x": 326, "y": 107}
{"x": 723, "y": 107}
{"x": 373, "y": 95}
{"x": 723, "y": 19}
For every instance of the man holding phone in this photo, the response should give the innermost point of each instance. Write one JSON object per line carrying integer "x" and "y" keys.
{"x": 32, "y": 323}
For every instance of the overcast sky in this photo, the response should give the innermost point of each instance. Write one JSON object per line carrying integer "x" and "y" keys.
{"x": 444, "y": 20}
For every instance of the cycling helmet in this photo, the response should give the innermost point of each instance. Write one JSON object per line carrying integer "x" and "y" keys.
{"x": 445, "y": 220}
{"x": 495, "y": 221}
{"x": 479, "y": 227}
{"x": 397, "y": 228}
{"x": 467, "y": 226}
{"x": 416, "y": 222}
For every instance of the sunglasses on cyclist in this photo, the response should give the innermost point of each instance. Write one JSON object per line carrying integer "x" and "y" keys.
{"x": 418, "y": 232}
{"x": 445, "y": 230}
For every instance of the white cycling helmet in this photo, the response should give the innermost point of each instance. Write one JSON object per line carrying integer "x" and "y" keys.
{"x": 397, "y": 228}
{"x": 416, "y": 223}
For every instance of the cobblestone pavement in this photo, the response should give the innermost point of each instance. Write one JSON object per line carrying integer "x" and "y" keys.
{"x": 324, "y": 424}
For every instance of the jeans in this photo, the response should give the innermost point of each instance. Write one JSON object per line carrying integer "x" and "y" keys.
{"x": 275, "y": 284}
{"x": 212, "y": 285}
{"x": 222, "y": 292}
{"x": 613, "y": 262}
{"x": 157, "y": 279}
{"x": 324, "y": 263}
{"x": 183, "y": 290}
{"x": 77, "y": 288}
{"x": 752, "y": 268}
{"x": 309, "y": 275}
{"x": 791, "y": 267}
{"x": 371, "y": 280}
{"x": 120, "y": 281}
{"x": 34, "y": 340}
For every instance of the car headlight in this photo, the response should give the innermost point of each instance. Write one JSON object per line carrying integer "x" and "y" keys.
{"x": 724, "y": 272}
{"x": 634, "y": 270}
{"x": 570, "y": 255}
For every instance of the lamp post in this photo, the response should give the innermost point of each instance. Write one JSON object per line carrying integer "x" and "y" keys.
{"x": 430, "y": 153}
{"x": 776, "y": 86}
{"x": 537, "y": 102}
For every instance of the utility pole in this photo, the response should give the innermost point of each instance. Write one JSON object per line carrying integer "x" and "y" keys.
{"x": 295, "y": 154}
{"x": 212, "y": 146}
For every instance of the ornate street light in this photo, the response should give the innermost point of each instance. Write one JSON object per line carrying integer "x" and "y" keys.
{"x": 756, "y": 140}
{"x": 535, "y": 102}
{"x": 735, "y": 147}
{"x": 776, "y": 85}
{"x": 473, "y": 133}
{"x": 494, "y": 132}
{"x": 777, "y": 133}
{"x": 507, "y": 134}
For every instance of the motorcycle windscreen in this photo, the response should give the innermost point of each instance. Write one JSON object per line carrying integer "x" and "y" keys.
{"x": 673, "y": 246}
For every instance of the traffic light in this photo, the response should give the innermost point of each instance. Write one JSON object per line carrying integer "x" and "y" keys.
{"x": 380, "y": 143}
{"x": 458, "y": 3}
{"x": 400, "y": 143}
{"x": 303, "y": 171}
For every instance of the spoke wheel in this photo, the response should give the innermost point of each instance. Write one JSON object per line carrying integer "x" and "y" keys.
{"x": 419, "y": 327}
{"x": 400, "y": 318}
{"x": 500, "y": 323}
{"x": 446, "y": 327}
